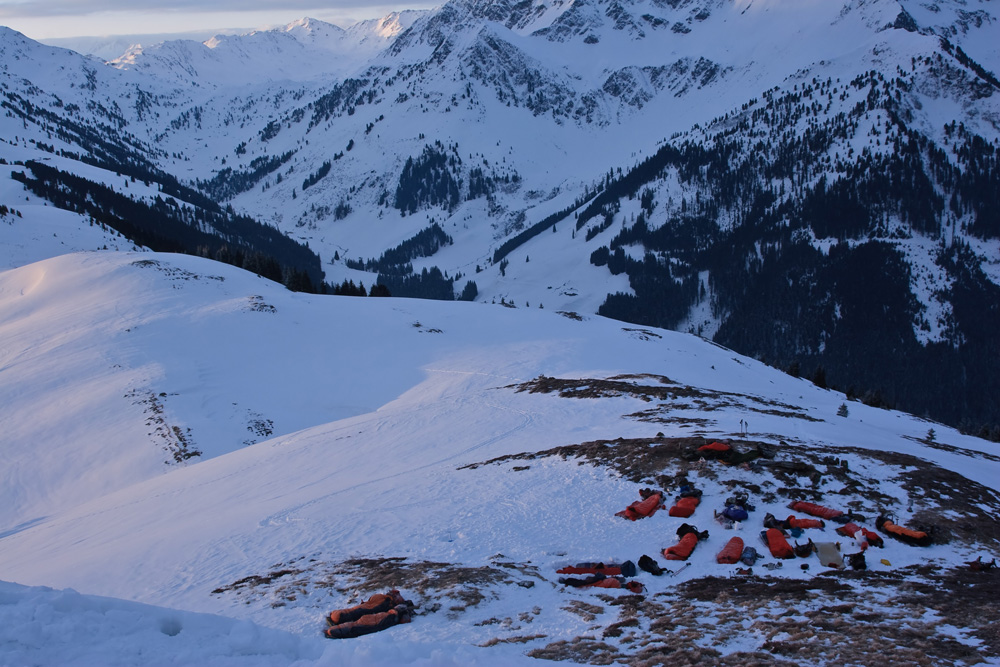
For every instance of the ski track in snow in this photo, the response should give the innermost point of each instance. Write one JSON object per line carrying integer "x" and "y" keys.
{"x": 399, "y": 419}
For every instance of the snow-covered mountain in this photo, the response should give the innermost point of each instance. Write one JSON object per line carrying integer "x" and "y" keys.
{"x": 810, "y": 183}
{"x": 304, "y": 50}
{"x": 106, "y": 48}
{"x": 192, "y": 439}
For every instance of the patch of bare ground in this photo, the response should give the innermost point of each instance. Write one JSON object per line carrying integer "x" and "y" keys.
{"x": 520, "y": 639}
{"x": 585, "y": 649}
{"x": 642, "y": 334}
{"x": 905, "y": 617}
{"x": 947, "y": 504}
{"x": 585, "y": 610}
{"x": 666, "y": 462}
{"x": 429, "y": 584}
{"x": 173, "y": 272}
{"x": 952, "y": 449}
{"x": 670, "y": 395}
{"x": 951, "y": 506}
{"x": 177, "y": 442}
{"x": 919, "y": 615}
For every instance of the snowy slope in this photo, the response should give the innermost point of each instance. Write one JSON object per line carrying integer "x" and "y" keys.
{"x": 378, "y": 408}
{"x": 32, "y": 230}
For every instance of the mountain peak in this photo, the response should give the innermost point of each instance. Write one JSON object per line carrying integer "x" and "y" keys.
{"x": 310, "y": 30}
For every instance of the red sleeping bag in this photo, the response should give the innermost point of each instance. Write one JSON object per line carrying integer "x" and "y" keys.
{"x": 717, "y": 447}
{"x": 684, "y": 507}
{"x": 369, "y": 623}
{"x": 376, "y": 604}
{"x": 614, "y": 582}
{"x": 642, "y": 508}
{"x": 804, "y": 523}
{"x": 815, "y": 510}
{"x": 851, "y": 529}
{"x": 682, "y": 549}
{"x": 777, "y": 544}
{"x": 731, "y": 553}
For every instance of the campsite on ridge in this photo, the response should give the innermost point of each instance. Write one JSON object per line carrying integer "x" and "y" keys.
{"x": 494, "y": 448}
{"x": 618, "y": 332}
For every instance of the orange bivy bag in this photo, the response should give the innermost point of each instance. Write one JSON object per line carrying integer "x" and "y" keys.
{"x": 376, "y": 604}
{"x": 916, "y": 537}
{"x": 642, "y": 508}
{"x": 777, "y": 544}
{"x": 613, "y": 582}
{"x": 684, "y": 507}
{"x": 682, "y": 549}
{"x": 804, "y": 523}
{"x": 814, "y": 509}
{"x": 731, "y": 553}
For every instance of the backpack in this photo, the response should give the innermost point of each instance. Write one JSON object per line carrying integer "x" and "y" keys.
{"x": 803, "y": 550}
{"x": 749, "y": 556}
{"x": 857, "y": 561}
{"x": 735, "y": 513}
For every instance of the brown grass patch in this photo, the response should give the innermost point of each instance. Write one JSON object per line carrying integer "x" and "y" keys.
{"x": 585, "y": 610}
{"x": 430, "y": 584}
{"x": 522, "y": 639}
{"x": 587, "y": 650}
{"x": 671, "y": 395}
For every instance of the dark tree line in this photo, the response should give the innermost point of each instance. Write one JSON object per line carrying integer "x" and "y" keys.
{"x": 844, "y": 316}
{"x": 429, "y": 180}
{"x": 428, "y": 284}
{"x": 397, "y": 260}
{"x": 168, "y": 226}
{"x": 342, "y": 98}
{"x": 318, "y": 175}
{"x": 228, "y": 183}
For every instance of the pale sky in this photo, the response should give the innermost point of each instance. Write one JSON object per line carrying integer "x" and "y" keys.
{"x": 48, "y": 19}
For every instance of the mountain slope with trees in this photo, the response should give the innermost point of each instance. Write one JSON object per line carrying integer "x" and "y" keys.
{"x": 825, "y": 202}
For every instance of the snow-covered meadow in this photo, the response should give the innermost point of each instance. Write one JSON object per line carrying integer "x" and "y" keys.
{"x": 344, "y": 437}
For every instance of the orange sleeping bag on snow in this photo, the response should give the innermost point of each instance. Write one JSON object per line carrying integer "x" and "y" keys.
{"x": 814, "y": 509}
{"x": 376, "y": 604}
{"x": 793, "y": 522}
{"x": 851, "y": 529}
{"x": 613, "y": 582}
{"x": 731, "y": 553}
{"x": 642, "y": 508}
{"x": 684, "y": 507}
{"x": 777, "y": 544}
{"x": 917, "y": 537}
{"x": 682, "y": 549}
